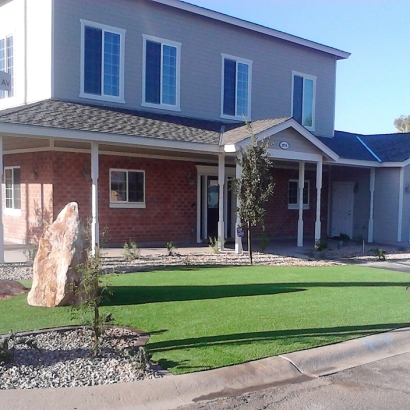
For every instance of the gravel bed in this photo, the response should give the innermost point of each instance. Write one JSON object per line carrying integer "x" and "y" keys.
{"x": 65, "y": 359}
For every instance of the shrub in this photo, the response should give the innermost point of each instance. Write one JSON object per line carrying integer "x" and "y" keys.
{"x": 379, "y": 252}
{"x": 321, "y": 244}
{"x": 131, "y": 251}
{"x": 263, "y": 241}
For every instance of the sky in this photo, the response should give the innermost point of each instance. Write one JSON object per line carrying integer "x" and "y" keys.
{"x": 372, "y": 87}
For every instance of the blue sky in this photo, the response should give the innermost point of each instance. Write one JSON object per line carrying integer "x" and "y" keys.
{"x": 373, "y": 86}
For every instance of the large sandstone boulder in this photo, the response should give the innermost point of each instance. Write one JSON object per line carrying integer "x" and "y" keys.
{"x": 10, "y": 288}
{"x": 60, "y": 251}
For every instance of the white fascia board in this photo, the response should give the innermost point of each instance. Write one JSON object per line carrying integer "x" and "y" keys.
{"x": 88, "y": 136}
{"x": 253, "y": 26}
{"x": 291, "y": 123}
{"x": 356, "y": 163}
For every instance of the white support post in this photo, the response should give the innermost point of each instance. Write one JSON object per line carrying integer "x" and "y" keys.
{"x": 318, "y": 224}
{"x": 198, "y": 209}
{"x": 221, "y": 182}
{"x": 300, "y": 198}
{"x": 371, "y": 213}
{"x": 238, "y": 224}
{"x": 401, "y": 198}
{"x": 1, "y": 203}
{"x": 95, "y": 226}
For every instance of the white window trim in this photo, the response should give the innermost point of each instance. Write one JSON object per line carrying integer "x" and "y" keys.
{"x": 249, "y": 64}
{"x": 103, "y": 97}
{"x": 296, "y": 206}
{"x": 177, "y": 45}
{"x": 124, "y": 204}
{"x": 5, "y": 102}
{"x": 10, "y": 211}
{"x": 307, "y": 77}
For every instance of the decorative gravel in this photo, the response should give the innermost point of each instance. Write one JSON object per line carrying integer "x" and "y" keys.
{"x": 65, "y": 359}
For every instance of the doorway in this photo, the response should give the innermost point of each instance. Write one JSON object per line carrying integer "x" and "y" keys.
{"x": 342, "y": 208}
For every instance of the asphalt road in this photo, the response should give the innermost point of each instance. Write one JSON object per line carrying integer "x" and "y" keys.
{"x": 381, "y": 385}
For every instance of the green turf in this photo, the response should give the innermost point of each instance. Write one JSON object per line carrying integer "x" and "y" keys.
{"x": 206, "y": 317}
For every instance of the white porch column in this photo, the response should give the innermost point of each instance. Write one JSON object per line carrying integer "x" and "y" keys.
{"x": 221, "y": 182}
{"x": 300, "y": 197}
{"x": 401, "y": 198}
{"x": 1, "y": 203}
{"x": 95, "y": 226}
{"x": 371, "y": 213}
{"x": 198, "y": 208}
{"x": 318, "y": 225}
{"x": 238, "y": 240}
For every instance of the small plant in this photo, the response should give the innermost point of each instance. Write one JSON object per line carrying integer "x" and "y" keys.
{"x": 30, "y": 253}
{"x": 170, "y": 248}
{"x": 214, "y": 244}
{"x": 6, "y": 352}
{"x": 344, "y": 237}
{"x": 8, "y": 344}
{"x": 263, "y": 240}
{"x": 90, "y": 292}
{"x": 321, "y": 244}
{"x": 131, "y": 251}
{"x": 379, "y": 252}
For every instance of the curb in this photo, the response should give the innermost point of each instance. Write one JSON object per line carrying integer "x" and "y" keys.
{"x": 325, "y": 360}
{"x": 173, "y": 391}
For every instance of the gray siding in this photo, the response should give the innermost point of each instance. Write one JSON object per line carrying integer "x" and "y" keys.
{"x": 386, "y": 205}
{"x": 406, "y": 207}
{"x": 203, "y": 40}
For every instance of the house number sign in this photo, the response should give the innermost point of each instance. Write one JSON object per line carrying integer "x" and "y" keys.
{"x": 284, "y": 145}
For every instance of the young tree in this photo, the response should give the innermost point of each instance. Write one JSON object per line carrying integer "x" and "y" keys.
{"x": 255, "y": 185}
{"x": 402, "y": 123}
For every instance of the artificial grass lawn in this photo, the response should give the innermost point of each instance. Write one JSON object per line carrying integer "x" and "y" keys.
{"x": 206, "y": 317}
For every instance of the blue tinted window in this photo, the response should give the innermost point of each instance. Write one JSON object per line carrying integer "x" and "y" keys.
{"x": 160, "y": 73}
{"x": 111, "y": 64}
{"x": 297, "y": 98}
{"x": 152, "y": 72}
{"x": 242, "y": 90}
{"x": 92, "y": 60}
{"x": 169, "y": 75}
{"x": 229, "y": 87}
{"x": 7, "y": 63}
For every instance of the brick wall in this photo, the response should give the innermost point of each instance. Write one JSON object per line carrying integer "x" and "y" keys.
{"x": 36, "y": 197}
{"x": 50, "y": 180}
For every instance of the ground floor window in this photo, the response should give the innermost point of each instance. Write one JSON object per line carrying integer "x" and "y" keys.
{"x": 293, "y": 194}
{"x": 12, "y": 184}
{"x": 127, "y": 188}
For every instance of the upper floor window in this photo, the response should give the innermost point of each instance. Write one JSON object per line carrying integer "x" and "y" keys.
{"x": 161, "y": 73}
{"x": 127, "y": 188}
{"x": 7, "y": 63}
{"x": 303, "y": 100}
{"x": 236, "y": 87}
{"x": 102, "y": 62}
{"x": 293, "y": 194}
{"x": 12, "y": 185}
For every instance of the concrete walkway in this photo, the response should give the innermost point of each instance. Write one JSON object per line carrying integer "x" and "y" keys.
{"x": 173, "y": 391}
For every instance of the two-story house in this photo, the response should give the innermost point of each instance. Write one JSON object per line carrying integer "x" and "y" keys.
{"x": 135, "y": 109}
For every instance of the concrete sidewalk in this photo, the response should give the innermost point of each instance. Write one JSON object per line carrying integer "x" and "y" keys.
{"x": 173, "y": 391}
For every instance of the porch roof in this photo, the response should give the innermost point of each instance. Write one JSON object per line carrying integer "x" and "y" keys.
{"x": 377, "y": 147}
{"x": 93, "y": 118}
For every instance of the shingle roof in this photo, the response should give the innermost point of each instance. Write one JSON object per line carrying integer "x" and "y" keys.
{"x": 347, "y": 146}
{"x": 86, "y": 117}
{"x": 389, "y": 147}
{"x": 240, "y": 133}
{"x": 386, "y": 147}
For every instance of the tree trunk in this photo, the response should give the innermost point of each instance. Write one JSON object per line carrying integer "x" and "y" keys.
{"x": 250, "y": 243}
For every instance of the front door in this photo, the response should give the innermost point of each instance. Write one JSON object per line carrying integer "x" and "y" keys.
{"x": 212, "y": 206}
{"x": 342, "y": 209}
